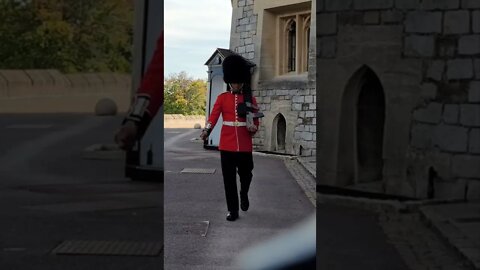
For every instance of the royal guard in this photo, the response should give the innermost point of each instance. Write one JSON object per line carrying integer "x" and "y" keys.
{"x": 240, "y": 122}
{"x": 147, "y": 101}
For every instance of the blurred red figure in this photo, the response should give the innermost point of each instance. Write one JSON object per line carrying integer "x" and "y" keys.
{"x": 147, "y": 101}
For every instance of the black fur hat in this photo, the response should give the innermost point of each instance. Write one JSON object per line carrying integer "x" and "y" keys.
{"x": 236, "y": 69}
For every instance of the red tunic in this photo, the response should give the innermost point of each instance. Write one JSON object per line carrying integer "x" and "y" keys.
{"x": 232, "y": 138}
{"x": 152, "y": 82}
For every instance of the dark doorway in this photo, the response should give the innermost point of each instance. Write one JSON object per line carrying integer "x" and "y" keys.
{"x": 280, "y": 130}
{"x": 360, "y": 150}
{"x": 370, "y": 122}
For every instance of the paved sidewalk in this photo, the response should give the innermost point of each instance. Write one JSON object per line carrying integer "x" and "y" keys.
{"x": 457, "y": 223}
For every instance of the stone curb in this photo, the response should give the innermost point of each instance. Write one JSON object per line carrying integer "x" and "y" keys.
{"x": 303, "y": 162}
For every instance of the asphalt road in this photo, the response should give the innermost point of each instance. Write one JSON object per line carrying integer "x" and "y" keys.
{"x": 50, "y": 193}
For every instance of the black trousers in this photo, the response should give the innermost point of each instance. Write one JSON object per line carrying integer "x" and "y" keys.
{"x": 231, "y": 163}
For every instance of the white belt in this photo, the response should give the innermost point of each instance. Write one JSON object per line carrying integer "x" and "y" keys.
{"x": 235, "y": 124}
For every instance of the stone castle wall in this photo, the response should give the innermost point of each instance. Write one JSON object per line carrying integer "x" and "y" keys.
{"x": 433, "y": 80}
{"x": 293, "y": 98}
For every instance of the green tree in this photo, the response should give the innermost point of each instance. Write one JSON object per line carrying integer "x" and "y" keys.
{"x": 184, "y": 95}
{"x": 69, "y": 35}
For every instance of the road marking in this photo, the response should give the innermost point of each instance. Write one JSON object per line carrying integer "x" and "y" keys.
{"x": 28, "y": 126}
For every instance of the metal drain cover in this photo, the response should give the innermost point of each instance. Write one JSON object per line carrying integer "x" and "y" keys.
{"x": 195, "y": 228}
{"x": 468, "y": 220}
{"x": 111, "y": 248}
{"x": 198, "y": 170}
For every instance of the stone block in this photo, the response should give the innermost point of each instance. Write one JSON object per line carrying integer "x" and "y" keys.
{"x": 372, "y": 4}
{"x": 309, "y": 99}
{"x": 419, "y": 46}
{"x": 421, "y": 136}
{"x": 474, "y": 92}
{"x": 435, "y": 70}
{"x": 327, "y": 47}
{"x": 244, "y": 21}
{"x": 407, "y": 4}
{"x": 338, "y": 5}
{"x": 458, "y": 69}
{"x": 371, "y": 17}
{"x": 298, "y": 99}
{"x": 447, "y": 46}
{"x": 326, "y": 24}
{"x": 429, "y": 90}
{"x": 250, "y": 48}
{"x": 241, "y": 49}
{"x": 249, "y": 2}
{"x": 242, "y": 3}
{"x": 473, "y": 190}
{"x": 451, "y": 138}
{"x": 470, "y": 4}
{"x": 468, "y": 45}
{"x": 452, "y": 190}
{"x": 431, "y": 114}
{"x": 474, "y": 141}
{"x": 440, "y": 4}
{"x": 470, "y": 115}
{"x": 476, "y": 21}
{"x": 423, "y": 22}
{"x": 307, "y": 136}
{"x": 310, "y": 114}
{"x": 451, "y": 113}
{"x": 241, "y": 28}
{"x": 456, "y": 22}
{"x": 466, "y": 166}
{"x": 253, "y": 19}
{"x": 390, "y": 16}
{"x": 248, "y": 41}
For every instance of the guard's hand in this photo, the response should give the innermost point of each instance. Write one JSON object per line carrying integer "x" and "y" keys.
{"x": 252, "y": 129}
{"x": 126, "y": 135}
{"x": 204, "y": 135}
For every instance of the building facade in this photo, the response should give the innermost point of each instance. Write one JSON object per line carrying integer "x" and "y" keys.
{"x": 279, "y": 37}
{"x": 399, "y": 96}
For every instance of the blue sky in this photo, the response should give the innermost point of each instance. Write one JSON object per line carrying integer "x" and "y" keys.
{"x": 193, "y": 30}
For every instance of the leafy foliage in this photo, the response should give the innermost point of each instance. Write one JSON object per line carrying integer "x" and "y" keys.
{"x": 69, "y": 35}
{"x": 184, "y": 95}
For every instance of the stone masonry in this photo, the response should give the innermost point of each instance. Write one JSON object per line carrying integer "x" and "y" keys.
{"x": 294, "y": 98}
{"x": 427, "y": 57}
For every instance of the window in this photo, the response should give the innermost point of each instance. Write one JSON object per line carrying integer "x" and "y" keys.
{"x": 293, "y": 43}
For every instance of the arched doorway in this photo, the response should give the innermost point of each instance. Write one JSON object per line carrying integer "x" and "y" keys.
{"x": 362, "y": 123}
{"x": 279, "y": 133}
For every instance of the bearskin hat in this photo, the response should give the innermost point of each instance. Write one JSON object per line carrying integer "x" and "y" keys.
{"x": 236, "y": 69}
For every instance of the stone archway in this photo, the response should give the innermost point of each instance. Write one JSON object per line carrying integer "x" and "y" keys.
{"x": 279, "y": 132}
{"x": 360, "y": 151}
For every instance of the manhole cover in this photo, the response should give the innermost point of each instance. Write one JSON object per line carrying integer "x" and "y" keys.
{"x": 197, "y": 228}
{"x": 29, "y": 126}
{"x": 198, "y": 170}
{"x": 112, "y": 248}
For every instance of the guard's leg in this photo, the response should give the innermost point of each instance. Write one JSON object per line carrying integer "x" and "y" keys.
{"x": 230, "y": 180}
{"x": 245, "y": 167}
